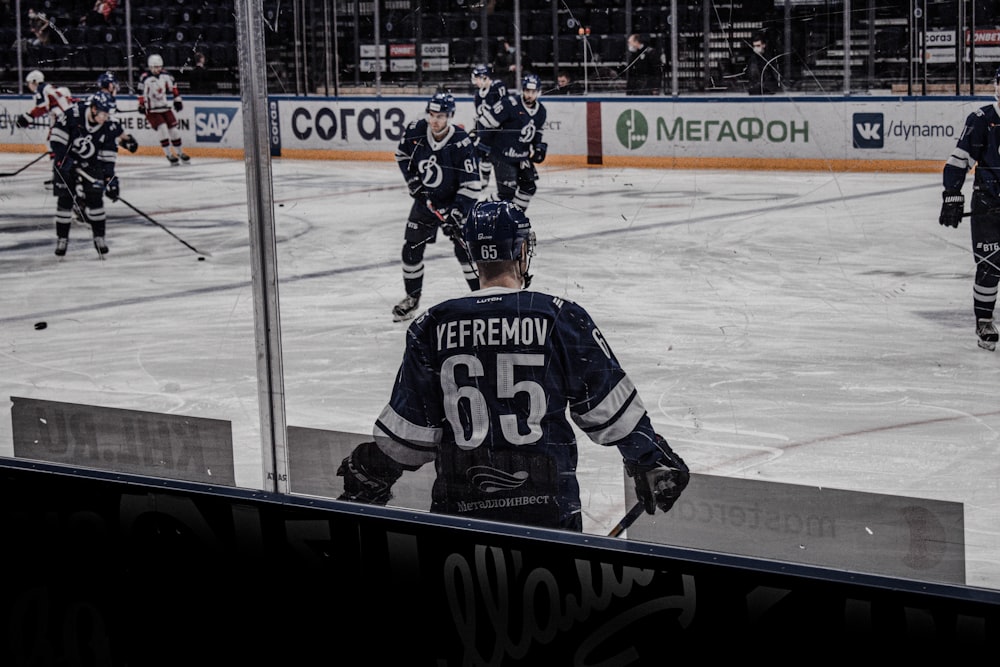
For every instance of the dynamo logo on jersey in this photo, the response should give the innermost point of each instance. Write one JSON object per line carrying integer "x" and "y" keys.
{"x": 632, "y": 129}
{"x": 869, "y": 130}
{"x": 211, "y": 123}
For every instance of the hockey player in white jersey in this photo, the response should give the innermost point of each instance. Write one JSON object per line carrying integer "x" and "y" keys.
{"x": 50, "y": 100}
{"x": 486, "y": 389}
{"x": 158, "y": 100}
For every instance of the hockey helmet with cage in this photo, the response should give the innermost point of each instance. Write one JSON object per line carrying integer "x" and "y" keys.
{"x": 102, "y": 101}
{"x": 154, "y": 60}
{"x": 531, "y": 82}
{"x": 496, "y": 230}
{"x": 108, "y": 82}
{"x": 442, "y": 103}
{"x": 35, "y": 76}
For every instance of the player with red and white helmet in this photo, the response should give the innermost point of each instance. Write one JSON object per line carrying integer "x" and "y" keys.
{"x": 49, "y": 100}
{"x": 158, "y": 100}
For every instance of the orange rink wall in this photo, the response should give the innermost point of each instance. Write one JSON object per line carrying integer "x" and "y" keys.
{"x": 572, "y": 161}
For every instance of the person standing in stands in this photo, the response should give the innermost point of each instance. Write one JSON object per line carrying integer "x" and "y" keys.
{"x": 644, "y": 72}
{"x": 762, "y": 75}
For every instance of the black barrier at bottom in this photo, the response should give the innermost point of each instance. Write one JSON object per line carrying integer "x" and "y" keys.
{"x": 115, "y": 569}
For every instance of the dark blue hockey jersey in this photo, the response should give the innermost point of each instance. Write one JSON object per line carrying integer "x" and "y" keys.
{"x": 511, "y": 128}
{"x": 93, "y": 148}
{"x": 979, "y": 147}
{"x": 448, "y": 168}
{"x": 489, "y": 101}
{"x": 483, "y": 392}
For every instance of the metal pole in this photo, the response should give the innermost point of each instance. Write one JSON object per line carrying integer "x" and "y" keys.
{"x": 706, "y": 46}
{"x": 674, "y": 33}
{"x": 20, "y": 49}
{"x": 517, "y": 44}
{"x": 128, "y": 46}
{"x": 847, "y": 47}
{"x": 336, "y": 53}
{"x": 788, "y": 40}
{"x": 378, "y": 49}
{"x": 263, "y": 246}
{"x": 327, "y": 57}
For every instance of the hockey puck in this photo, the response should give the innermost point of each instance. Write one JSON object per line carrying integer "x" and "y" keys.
{"x": 41, "y": 325}
{"x": 201, "y": 259}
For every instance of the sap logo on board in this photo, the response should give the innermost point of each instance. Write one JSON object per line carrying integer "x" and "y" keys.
{"x": 211, "y": 123}
{"x": 869, "y": 130}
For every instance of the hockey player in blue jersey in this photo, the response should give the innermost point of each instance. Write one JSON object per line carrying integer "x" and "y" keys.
{"x": 979, "y": 146}
{"x": 483, "y": 393}
{"x": 108, "y": 83}
{"x": 489, "y": 97}
{"x": 84, "y": 145}
{"x": 512, "y": 135}
{"x": 441, "y": 170}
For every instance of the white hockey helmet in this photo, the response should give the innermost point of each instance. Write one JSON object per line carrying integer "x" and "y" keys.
{"x": 154, "y": 60}
{"x": 35, "y": 76}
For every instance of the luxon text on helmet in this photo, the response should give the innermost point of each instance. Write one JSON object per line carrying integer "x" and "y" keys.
{"x": 442, "y": 103}
{"x": 496, "y": 230}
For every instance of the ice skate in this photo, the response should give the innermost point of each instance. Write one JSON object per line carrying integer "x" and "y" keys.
{"x": 174, "y": 160}
{"x": 184, "y": 156}
{"x": 101, "y": 246}
{"x": 987, "y": 333}
{"x": 61, "y": 245}
{"x": 405, "y": 309}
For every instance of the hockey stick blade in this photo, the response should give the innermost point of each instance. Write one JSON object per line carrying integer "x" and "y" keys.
{"x": 627, "y": 520}
{"x": 15, "y": 173}
{"x": 90, "y": 178}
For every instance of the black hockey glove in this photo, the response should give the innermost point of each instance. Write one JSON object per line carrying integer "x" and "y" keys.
{"x": 415, "y": 186}
{"x": 952, "y": 207}
{"x": 178, "y": 105}
{"x": 24, "y": 120}
{"x": 368, "y": 475}
{"x": 142, "y": 108}
{"x": 129, "y": 143}
{"x": 659, "y": 484}
{"x": 451, "y": 224}
{"x": 112, "y": 189}
{"x": 538, "y": 152}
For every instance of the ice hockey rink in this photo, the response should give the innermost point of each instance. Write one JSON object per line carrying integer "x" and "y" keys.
{"x": 804, "y": 328}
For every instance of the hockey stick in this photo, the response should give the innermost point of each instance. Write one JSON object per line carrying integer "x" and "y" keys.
{"x": 147, "y": 217}
{"x": 455, "y": 237}
{"x": 200, "y": 252}
{"x": 627, "y": 520}
{"x": 15, "y": 173}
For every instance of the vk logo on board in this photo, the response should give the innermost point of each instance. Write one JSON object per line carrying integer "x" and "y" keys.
{"x": 869, "y": 130}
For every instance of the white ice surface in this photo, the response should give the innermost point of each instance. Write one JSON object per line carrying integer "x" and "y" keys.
{"x": 808, "y": 328}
